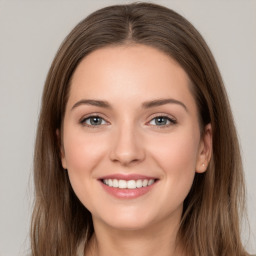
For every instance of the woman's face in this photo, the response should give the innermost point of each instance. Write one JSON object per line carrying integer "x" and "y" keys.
{"x": 131, "y": 137}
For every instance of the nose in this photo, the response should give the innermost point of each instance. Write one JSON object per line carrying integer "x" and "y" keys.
{"x": 127, "y": 147}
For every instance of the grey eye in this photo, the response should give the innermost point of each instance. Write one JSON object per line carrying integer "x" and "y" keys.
{"x": 162, "y": 121}
{"x": 94, "y": 121}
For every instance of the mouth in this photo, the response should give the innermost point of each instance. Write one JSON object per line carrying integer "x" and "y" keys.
{"x": 128, "y": 184}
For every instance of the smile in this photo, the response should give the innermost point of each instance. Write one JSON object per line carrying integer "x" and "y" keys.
{"x": 128, "y": 184}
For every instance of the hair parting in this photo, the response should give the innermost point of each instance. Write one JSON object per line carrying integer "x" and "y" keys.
{"x": 211, "y": 212}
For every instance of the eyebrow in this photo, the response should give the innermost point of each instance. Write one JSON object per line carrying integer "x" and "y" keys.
{"x": 147, "y": 104}
{"x": 97, "y": 103}
{"x": 160, "y": 102}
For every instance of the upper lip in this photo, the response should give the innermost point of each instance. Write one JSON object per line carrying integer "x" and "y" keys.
{"x": 127, "y": 177}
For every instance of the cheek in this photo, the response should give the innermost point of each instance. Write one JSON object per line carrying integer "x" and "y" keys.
{"x": 82, "y": 152}
{"x": 177, "y": 156}
{"x": 179, "y": 150}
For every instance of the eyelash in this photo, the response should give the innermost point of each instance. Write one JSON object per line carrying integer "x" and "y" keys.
{"x": 83, "y": 121}
{"x": 167, "y": 118}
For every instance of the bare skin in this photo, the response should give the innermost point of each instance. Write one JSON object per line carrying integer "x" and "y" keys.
{"x": 131, "y": 113}
{"x": 136, "y": 243}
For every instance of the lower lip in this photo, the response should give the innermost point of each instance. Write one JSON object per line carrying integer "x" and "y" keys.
{"x": 122, "y": 193}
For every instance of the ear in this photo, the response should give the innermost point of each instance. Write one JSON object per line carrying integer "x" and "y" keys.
{"x": 205, "y": 150}
{"x": 61, "y": 149}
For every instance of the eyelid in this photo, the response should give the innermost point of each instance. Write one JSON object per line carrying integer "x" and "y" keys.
{"x": 82, "y": 120}
{"x": 169, "y": 117}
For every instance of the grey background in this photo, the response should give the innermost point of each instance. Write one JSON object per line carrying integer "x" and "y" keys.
{"x": 30, "y": 34}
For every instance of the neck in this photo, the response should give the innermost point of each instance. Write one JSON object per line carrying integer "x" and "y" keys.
{"x": 158, "y": 240}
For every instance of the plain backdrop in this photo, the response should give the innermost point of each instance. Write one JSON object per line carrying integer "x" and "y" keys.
{"x": 30, "y": 34}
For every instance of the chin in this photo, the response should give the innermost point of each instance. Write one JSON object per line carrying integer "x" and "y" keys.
{"x": 127, "y": 220}
{"x": 128, "y": 225}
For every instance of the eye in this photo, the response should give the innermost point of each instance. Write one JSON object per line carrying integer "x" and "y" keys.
{"x": 162, "y": 121}
{"x": 93, "y": 121}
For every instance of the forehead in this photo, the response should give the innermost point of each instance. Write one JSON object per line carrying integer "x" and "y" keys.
{"x": 135, "y": 72}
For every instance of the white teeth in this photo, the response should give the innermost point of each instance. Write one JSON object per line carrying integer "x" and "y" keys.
{"x": 122, "y": 184}
{"x": 115, "y": 183}
{"x": 139, "y": 183}
{"x": 130, "y": 184}
{"x": 150, "y": 182}
{"x": 145, "y": 183}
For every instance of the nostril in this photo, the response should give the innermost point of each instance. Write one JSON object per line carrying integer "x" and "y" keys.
{"x": 127, "y": 159}
{"x": 126, "y": 149}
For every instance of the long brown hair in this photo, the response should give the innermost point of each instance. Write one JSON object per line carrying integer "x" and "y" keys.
{"x": 210, "y": 219}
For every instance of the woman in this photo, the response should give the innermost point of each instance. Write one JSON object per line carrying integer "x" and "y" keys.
{"x": 136, "y": 150}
